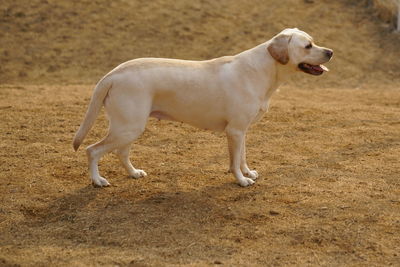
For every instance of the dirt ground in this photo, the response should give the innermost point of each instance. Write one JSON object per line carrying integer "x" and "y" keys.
{"x": 328, "y": 192}
{"x": 327, "y": 151}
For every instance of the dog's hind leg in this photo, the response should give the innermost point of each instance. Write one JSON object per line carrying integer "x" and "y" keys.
{"x": 127, "y": 111}
{"x": 111, "y": 142}
{"x": 126, "y": 124}
{"x": 123, "y": 155}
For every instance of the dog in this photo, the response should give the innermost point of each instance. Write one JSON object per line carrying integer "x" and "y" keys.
{"x": 222, "y": 94}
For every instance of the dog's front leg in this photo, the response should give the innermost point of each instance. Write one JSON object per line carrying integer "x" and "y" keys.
{"x": 252, "y": 174}
{"x": 235, "y": 145}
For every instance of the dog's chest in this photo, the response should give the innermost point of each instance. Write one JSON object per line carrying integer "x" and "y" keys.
{"x": 263, "y": 108}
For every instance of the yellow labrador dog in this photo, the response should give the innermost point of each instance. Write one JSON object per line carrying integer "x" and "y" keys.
{"x": 223, "y": 94}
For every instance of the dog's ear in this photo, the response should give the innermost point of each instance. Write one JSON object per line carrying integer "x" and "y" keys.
{"x": 278, "y": 48}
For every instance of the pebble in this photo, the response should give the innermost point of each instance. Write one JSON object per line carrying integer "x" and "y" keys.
{"x": 272, "y": 212}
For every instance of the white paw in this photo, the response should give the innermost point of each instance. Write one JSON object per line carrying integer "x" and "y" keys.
{"x": 251, "y": 174}
{"x": 246, "y": 182}
{"x": 100, "y": 182}
{"x": 138, "y": 174}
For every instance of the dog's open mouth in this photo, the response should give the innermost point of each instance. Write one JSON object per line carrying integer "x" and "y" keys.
{"x": 313, "y": 69}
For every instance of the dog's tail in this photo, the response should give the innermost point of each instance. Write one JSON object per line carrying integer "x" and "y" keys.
{"x": 99, "y": 94}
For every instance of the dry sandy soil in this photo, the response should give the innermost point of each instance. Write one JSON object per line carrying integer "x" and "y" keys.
{"x": 327, "y": 152}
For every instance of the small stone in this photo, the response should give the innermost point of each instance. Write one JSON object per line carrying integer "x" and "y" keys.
{"x": 273, "y": 213}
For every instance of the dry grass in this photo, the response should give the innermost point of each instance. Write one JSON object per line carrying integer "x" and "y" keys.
{"x": 327, "y": 153}
{"x": 387, "y": 10}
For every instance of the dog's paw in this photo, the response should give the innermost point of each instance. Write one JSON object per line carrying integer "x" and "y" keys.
{"x": 138, "y": 174}
{"x": 246, "y": 182}
{"x": 251, "y": 174}
{"x": 100, "y": 182}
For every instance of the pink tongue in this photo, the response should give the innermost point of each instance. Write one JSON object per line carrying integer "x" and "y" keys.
{"x": 317, "y": 68}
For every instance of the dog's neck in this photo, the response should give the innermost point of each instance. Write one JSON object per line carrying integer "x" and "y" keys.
{"x": 258, "y": 61}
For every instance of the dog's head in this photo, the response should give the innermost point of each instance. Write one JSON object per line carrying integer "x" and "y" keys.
{"x": 296, "y": 48}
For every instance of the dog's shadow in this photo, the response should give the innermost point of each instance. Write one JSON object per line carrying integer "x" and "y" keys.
{"x": 60, "y": 209}
{"x": 165, "y": 222}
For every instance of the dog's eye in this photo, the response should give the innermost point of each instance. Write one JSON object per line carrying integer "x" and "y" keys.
{"x": 309, "y": 46}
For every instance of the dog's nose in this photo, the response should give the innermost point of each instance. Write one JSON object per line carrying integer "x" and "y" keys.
{"x": 329, "y": 53}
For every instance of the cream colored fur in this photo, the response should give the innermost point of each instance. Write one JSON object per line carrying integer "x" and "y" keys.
{"x": 223, "y": 94}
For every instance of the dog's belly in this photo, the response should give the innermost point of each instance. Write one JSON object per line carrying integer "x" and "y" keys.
{"x": 191, "y": 103}
{"x": 202, "y": 122}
